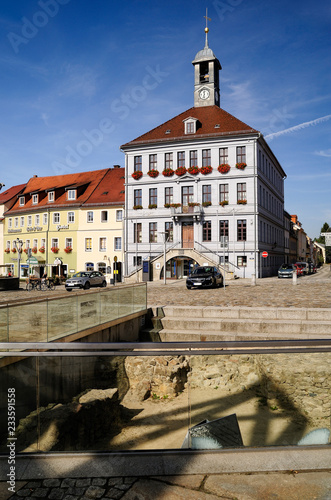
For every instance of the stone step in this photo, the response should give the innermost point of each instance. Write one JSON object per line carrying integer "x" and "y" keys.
{"x": 246, "y": 326}
{"x": 204, "y": 336}
{"x": 304, "y": 314}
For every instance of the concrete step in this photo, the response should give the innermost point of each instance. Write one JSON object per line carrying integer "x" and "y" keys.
{"x": 211, "y": 325}
{"x": 205, "y": 336}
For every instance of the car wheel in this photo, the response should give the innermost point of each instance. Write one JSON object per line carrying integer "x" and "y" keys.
{"x": 69, "y": 289}
{"x": 188, "y": 287}
{"x": 104, "y": 283}
{"x": 87, "y": 285}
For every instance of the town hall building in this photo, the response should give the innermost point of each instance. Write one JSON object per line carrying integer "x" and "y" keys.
{"x": 203, "y": 188}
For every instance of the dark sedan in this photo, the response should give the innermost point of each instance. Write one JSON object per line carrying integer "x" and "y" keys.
{"x": 86, "y": 279}
{"x": 204, "y": 277}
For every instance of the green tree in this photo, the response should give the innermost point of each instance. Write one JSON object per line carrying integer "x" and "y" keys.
{"x": 324, "y": 229}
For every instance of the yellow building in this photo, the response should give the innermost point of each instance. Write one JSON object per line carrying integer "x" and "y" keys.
{"x": 63, "y": 224}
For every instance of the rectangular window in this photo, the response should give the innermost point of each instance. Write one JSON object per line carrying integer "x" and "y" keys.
{"x": 88, "y": 244}
{"x": 169, "y": 230}
{"x": 35, "y": 243}
{"x": 190, "y": 127}
{"x": 22, "y": 221}
{"x": 187, "y": 195}
{"x": 169, "y": 160}
{"x": 206, "y": 194}
{"x": 153, "y": 232}
{"x": 224, "y": 228}
{"x": 137, "y": 197}
{"x": 168, "y": 195}
{"x": 27, "y": 243}
{"x": 29, "y": 220}
{"x": 181, "y": 159}
{"x": 34, "y": 199}
{"x": 241, "y": 230}
{"x": 119, "y": 215}
{"x": 137, "y": 261}
{"x": 36, "y": 220}
{"x": 137, "y": 164}
{"x": 137, "y": 228}
{"x": 242, "y": 261}
{"x": 56, "y": 218}
{"x": 10, "y": 222}
{"x": 71, "y": 217}
{"x": 241, "y": 191}
{"x": 8, "y": 244}
{"x": 68, "y": 242}
{"x": 71, "y": 194}
{"x": 206, "y": 157}
{"x": 224, "y": 193}
{"x": 152, "y": 162}
{"x": 206, "y": 231}
{"x": 16, "y": 222}
{"x": 224, "y": 155}
{"x": 55, "y": 243}
{"x": 42, "y": 243}
{"x": 117, "y": 243}
{"x": 104, "y": 216}
{"x": 193, "y": 158}
{"x": 102, "y": 244}
{"x": 51, "y": 196}
{"x": 22, "y": 201}
{"x": 241, "y": 154}
{"x": 45, "y": 219}
{"x": 89, "y": 216}
{"x": 153, "y": 196}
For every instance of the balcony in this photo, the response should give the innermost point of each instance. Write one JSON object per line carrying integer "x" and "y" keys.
{"x": 194, "y": 212}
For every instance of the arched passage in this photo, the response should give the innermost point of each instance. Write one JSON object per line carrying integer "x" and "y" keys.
{"x": 178, "y": 267}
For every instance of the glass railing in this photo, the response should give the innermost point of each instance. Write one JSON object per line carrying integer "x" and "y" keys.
{"x": 44, "y": 320}
{"x": 163, "y": 396}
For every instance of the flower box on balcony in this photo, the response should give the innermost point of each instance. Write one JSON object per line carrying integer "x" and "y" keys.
{"x": 241, "y": 166}
{"x": 241, "y": 202}
{"x": 223, "y": 203}
{"x": 68, "y": 249}
{"x": 34, "y": 250}
{"x": 175, "y": 205}
{"x": 137, "y": 207}
{"x": 7, "y": 250}
{"x": 168, "y": 172}
{"x": 153, "y": 173}
{"x": 206, "y": 170}
{"x": 193, "y": 204}
{"x": 223, "y": 168}
{"x": 193, "y": 170}
{"x": 55, "y": 249}
{"x": 26, "y": 250}
{"x": 180, "y": 171}
{"x": 206, "y": 204}
{"x": 152, "y": 205}
{"x": 42, "y": 249}
{"x": 14, "y": 250}
{"x": 137, "y": 175}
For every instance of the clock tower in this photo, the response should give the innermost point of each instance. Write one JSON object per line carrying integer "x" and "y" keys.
{"x": 206, "y": 77}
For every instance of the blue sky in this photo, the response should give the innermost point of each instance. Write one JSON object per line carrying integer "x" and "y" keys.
{"x": 81, "y": 77}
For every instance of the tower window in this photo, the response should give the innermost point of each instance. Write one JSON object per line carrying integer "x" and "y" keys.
{"x": 204, "y": 72}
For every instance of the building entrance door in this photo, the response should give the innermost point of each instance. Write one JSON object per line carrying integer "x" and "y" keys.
{"x": 187, "y": 235}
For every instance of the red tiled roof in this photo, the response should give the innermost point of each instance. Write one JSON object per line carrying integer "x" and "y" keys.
{"x": 10, "y": 193}
{"x": 91, "y": 183}
{"x": 208, "y": 117}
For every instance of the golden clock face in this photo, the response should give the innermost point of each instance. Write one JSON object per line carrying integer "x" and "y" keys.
{"x": 204, "y": 94}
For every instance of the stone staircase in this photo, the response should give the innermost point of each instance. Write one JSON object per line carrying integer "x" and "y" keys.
{"x": 183, "y": 323}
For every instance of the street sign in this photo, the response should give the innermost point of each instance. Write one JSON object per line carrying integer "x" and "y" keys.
{"x": 264, "y": 255}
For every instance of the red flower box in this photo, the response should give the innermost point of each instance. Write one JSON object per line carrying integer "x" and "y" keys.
{"x": 223, "y": 168}
{"x": 137, "y": 175}
{"x": 241, "y": 166}
{"x": 193, "y": 170}
{"x": 206, "y": 170}
{"x": 180, "y": 171}
{"x": 153, "y": 173}
{"x": 168, "y": 172}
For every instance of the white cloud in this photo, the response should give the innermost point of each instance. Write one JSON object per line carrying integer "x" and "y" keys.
{"x": 298, "y": 127}
{"x": 326, "y": 153}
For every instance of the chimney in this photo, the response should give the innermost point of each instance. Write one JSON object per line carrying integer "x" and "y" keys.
{"x": 117, "y": 166}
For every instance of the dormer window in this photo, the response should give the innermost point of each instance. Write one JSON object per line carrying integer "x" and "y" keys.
{"x": 34, "y": 199}
{"x": 71, "y": 194}
{"x": 22, "y": 201}
{"x": 190, "y": 125}
{"x": 51, "y": 196}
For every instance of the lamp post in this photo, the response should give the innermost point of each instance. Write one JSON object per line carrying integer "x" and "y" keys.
{"x": 19, "y": 244}
{"x": 164, "y": 234}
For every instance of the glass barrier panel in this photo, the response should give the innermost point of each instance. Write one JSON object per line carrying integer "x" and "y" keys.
{"x": 88, "y": 310}
{"x": 125, "y": 301}
{"x": 28, "y": 322}
{"x": 18, "y": 406}
{"x": 259, "y": 400}
{"x": 62, "y": 317}
{"x": 139, "y": 298}
{"x": 3, "y": 324}
{"x": 109, "y": 305}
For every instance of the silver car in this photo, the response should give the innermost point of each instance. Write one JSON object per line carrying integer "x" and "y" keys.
{"x": 85, "y": 279}
{"x": 286, "y": 271}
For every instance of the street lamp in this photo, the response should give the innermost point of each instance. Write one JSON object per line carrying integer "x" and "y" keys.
{"x": 164, "y": 234}
{"x": 19, "y": 244}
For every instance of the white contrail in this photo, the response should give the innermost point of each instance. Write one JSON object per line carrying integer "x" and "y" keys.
{"x": 298, "y": 127}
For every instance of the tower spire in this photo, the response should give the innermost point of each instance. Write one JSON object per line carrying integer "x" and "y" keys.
{"x": 206, "y": 28}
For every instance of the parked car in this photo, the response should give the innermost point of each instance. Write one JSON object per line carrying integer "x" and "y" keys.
{"x": 302, "y": 268}
{"x": 85, "y": 279}
{"x": 204, "y": 277}
{"x": 286, "y": 271}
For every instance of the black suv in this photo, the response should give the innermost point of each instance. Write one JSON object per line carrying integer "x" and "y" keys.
{"x": 204, "y": 277}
